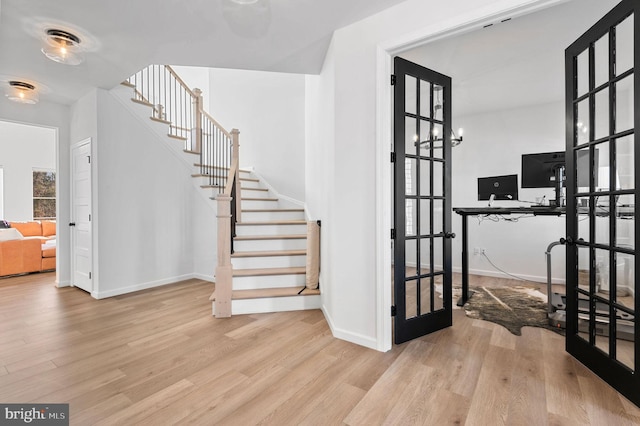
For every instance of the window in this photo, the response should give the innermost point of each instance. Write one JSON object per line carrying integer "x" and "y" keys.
{"x": 44, "y": 194}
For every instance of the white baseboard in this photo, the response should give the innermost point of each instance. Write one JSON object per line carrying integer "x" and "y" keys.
{"x": 349, "y": 336}
{"x": 61, "y": 284}
{"x": 203, "y": 277}
{"x": 142, "y": 286}
{"x": 498, "y": 274}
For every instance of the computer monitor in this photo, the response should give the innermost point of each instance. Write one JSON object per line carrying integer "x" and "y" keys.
{"x": 541, "y": 170}
{"x": 502, "y": 187}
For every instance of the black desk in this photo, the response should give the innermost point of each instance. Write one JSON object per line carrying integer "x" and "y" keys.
{"x": 465, "y": 212}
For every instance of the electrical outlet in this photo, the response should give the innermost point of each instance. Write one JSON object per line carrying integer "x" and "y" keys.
{"x": 476, "y": 250}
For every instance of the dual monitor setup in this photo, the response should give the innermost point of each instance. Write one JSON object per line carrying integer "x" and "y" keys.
{"x": 542, "y": 170}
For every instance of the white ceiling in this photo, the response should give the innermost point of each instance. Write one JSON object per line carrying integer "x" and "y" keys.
{"x": 514, "y": 63}
{"x": 123, "y": 36}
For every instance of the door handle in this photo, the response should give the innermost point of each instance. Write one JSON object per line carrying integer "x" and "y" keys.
{"x": 449, "y": 235}
{"x": 72, "y": 224}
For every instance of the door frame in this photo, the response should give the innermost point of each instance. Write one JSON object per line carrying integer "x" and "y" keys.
{"x": 94, "y": 281}
{"x": 385, "y": 51}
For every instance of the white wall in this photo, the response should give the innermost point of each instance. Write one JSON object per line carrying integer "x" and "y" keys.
{"x": 24, "y": 148}
{"x": 500, "y": 138}
{"x": 269, "y": 110}
{"x": 356, "y": 234}
{"x": 55, "y": 116}
{"x": 319, "y": 128}
{"x": 151, "y": 221}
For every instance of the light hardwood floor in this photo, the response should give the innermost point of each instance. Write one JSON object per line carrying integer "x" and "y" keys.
{"x": 158, "y": 357}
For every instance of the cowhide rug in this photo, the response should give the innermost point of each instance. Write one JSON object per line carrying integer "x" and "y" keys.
{"x": 511, "y": 307}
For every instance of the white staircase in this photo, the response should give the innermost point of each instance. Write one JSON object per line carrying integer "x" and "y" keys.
{"x": 269, "y": 255}
{"x": 270, "y": 247}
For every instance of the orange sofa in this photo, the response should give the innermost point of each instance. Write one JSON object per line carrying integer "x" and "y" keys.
{"x": 24, "y": 255}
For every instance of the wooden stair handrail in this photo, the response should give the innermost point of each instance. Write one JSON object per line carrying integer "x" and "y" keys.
{"x": 181, "y": 81}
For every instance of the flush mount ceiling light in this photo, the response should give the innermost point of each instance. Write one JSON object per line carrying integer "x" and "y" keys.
{"x": 244, "y": 1}
{"x": 62, "y": 46}
{"x": 19, "y": 91}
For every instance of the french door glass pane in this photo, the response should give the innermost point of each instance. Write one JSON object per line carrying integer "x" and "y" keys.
{"x": 425, "y": 99}
{"x": 625, "y": 222}
{"x": 583, "y": 73}
{"x": 425, "y": 177}
{"x": 582, "y": 122}
{"x": 411, "y": 299}
{"x": 624, "y": 46}
{"x": 410, "y": 135}
{"x": 410, "y": 86}
{"x": 602, "y": 60}
{"x": 602, "y": 114}
{"x": 625, "y": 156}
{"x": 411, "y": 258}
{"x": 425, "y": 256}
{"x": 624, "y": 104}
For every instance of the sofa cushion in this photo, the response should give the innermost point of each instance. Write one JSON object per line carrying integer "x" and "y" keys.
{"x": 48, "y": 228}
{"x": 10, "y": 234}
{"x": 49, "y": 252}
{"x": 28, "y": 229}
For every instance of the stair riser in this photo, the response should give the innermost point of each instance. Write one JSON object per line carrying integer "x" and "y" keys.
{"x": 271, "y": 229}
{"x": 248, "y": 184}
{"x": 269, "y": 216}
{"x": 252, "y": 204}
{"x": 270, "y": 245}
{"x": 268, "y": 262}
{"x": 253, "y": 193}
{"x": 268, "y": 281}
{"x": 274, "y": 304}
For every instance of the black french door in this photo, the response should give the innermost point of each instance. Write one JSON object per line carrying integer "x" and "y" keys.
{"x": 603, "y": 111}
{"x": 422, "y": 201}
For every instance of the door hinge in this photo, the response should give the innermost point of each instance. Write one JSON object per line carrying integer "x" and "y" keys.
{"x": 89, "y": 275}
{"x": 393, "y": 157}
{"x": 393, "y": 79}
{"x": 393, "y": 311}
{"x": 89, "y": 218}
{"x": 393, "y": 234}
{"x": 89, "y": 159}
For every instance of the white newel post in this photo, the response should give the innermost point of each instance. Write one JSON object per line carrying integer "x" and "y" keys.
{"x": 224, "y": 270}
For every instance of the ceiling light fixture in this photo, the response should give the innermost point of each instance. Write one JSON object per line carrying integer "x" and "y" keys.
{"x": 455, "y": 139}
{"x": 62, "y": 46}
{"x": 19, "y": 91}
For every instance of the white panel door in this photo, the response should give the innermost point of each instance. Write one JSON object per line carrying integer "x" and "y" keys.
{"x": 80, "y": 225}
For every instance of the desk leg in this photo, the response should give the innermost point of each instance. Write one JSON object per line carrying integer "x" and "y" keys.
{"x": 465, "y": 263}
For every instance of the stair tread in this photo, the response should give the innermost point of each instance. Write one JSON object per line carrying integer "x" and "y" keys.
{"x": 269, "y": 271}
{"x": 211, "y": 186}
{"x": 271, "y": 253}
{"x": 180, "y": 138}
{"x": 271, "y": 210}
{"x": 270, "y": 237}
{"x": 160, "y": 120}
{"x": 197, "y": 175}
{"x": 274, "y": 222}
{"x": 127, "y": 84}
{"x": 141, "y": 102}
{"x": 258, "y": 199}
{"x": 270, "y": 292}
{"x": 188, "y": 151}
{"x": 244, "y": 188}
